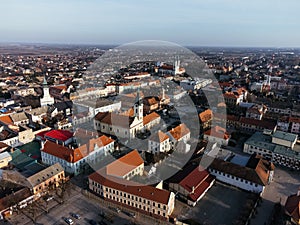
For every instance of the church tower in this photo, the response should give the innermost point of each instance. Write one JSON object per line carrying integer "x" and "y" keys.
{"x": 176, "y": 65}
{"x": 47, "y": 99}
{"x": 138, "y": 107}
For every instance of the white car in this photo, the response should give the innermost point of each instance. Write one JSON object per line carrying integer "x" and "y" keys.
{"x": 68, "y": 221}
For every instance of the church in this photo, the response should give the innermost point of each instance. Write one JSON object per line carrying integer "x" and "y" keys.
{"x": 47, "y": 99}
{"x": 126, "y": 126}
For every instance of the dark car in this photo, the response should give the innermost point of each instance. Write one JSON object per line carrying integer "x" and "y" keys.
{"x": 93, "y": 222}
{"x": 75, "y": 215}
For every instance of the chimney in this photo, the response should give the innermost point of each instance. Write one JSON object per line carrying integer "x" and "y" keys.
{"x": 193, "y": 190}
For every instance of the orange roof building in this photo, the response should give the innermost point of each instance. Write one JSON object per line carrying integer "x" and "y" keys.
{"x": 143, "y": 198}
{"x": 6, "y": 120}
{"x": 159, "y": 142}
{"x": 72, "y": 158}
{"x": 127, "y": 166}
{"x": 127, "y": 124}
{"x": 217, "y": 134}
{"x": 181, "y": 132}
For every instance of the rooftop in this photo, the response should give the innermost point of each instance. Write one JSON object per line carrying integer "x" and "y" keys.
{"x": 144, "y": 191}
{"x": 61, "y": 135}
{"x": 285, "y": 136}
{"x": 45, "y": 174}
{"x": 125, "y": 164}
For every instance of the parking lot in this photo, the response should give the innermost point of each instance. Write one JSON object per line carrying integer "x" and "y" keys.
{"x": 285, "y": 183}
{"x": 88, "y": 209}
{"x": 221, "y": 205}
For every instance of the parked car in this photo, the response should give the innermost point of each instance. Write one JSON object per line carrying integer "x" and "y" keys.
{"x": 68, "y": 221}
{"x": 75, "y": 215}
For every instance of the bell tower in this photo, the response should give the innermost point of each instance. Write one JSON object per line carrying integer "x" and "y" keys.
{"x": 138, "y": 107}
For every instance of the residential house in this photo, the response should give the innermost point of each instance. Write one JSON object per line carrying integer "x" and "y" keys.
{"x": 206, "y": 119}
{"x": 19, "y": 118}
{"x": 45, "y": 180}
{"x": 253, "y": 176}
{"x": 294, "y": 125}
{"x": 126, "y": 167}
{"x": 217, "y": 134}
{"x": 256, "y": 112}
{"x": 191, "y": 187}
{"x": 180, "y": 134}
{"x": 5, "y": 158}
{"x": 159, "y": 142}
{"x": 74, "y": 160}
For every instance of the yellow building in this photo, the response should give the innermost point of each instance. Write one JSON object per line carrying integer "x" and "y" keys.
{"x": 45, "y": 180}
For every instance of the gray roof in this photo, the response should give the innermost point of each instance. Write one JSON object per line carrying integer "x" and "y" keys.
{"x": 285, "y": 136}
{"x": 96, "y": 103}
{"x": 45, "y": 174}
{"x": 38, "y": 111}
{"x": 285, "y": 151}
{"x": 261, "y": 140}
{"x": 18, "y": 117}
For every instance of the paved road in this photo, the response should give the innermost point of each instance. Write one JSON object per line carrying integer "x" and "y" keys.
{"x": 284, "y": 184}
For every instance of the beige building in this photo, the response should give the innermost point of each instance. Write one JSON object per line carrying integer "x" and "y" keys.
{"x": 112, "y": 183}
{"x": 5, "y": 158}
{"x": 143, "y": 198}
{"x": 126, "y": 126}
{"x": 126, "y": 167}
{"x": 51, "y": 177}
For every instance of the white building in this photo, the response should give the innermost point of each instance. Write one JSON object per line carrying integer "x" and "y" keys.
{"x": 112, "y": 183}
{"x": 159, "y": 142}
{"x": 281, "y": 148}
{"x": 181, "y": 133}
{"x": 192, "y": 85}
{"x": 126, "y": 126}
{"x": 253, "y": 176}
{"x": 95, "y": 106}
{"x": 47, "y": 98}
{"x": 217, "y": 134}
{"x": 74, "y": 160}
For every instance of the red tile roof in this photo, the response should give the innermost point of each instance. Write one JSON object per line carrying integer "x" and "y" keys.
{"x": 6, "y": 120}
{"x": 61, "y": 135}
{"x": 259, "y": 123}
{"x": 159, "y": 136}
{"x": 74, "y": 155}
{"x": 141, "y": 190}
{"x": 202, "y": 188}
{"x": 294, "y": 120}
{"x": 230, "y": 95}
{"x": 258, "y": 175}
{"x": 115, "y": 119}
{"x": 194, "y": 179}
{"x": 206, "y": 115}
{"x": 150, "y": 117}
{"x": 218, "y": 132}
{"x": 179, "y": 131}
{"x": 125, "y": 164}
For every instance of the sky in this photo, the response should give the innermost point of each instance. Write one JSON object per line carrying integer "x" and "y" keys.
{"x": 255, "y": 23}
